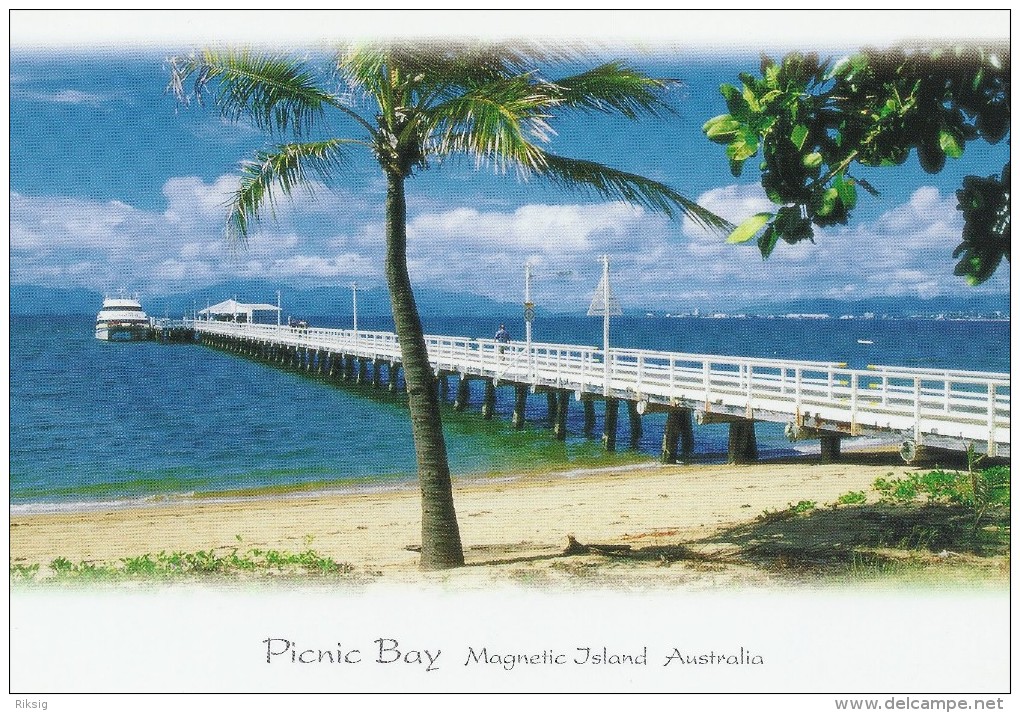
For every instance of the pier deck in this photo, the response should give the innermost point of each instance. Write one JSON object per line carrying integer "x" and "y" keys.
{"x": 925, "y": 407}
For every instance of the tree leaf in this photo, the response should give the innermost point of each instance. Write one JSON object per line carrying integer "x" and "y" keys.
{"x": 734, "y": 101}
{"x": 721, "y": 128}
{"x": 749, "y": 228}
{"x": 799, "y": 135}
{"x": 767, "y": 241}
{"x": 827, "y": 202}
{"x": 842, "y": 67}
{"x": 743, "y": 146}
{"x": 846, "y": 189}
{"x": 751, "y": 99}
{"x": 868, "y": 187}
{"x": 949, "y": 145}
{"x": 813, "y": 160}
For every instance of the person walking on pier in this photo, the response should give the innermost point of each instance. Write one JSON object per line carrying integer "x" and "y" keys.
{"x": 502, "y": 337}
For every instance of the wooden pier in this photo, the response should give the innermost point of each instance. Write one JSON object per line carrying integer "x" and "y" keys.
{"x": 172, "y": 331}
{"x": 923, "y": 408}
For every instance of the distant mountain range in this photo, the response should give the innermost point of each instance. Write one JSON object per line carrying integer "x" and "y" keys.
{"x": 375, "y": 302}
{"x": 296, "y": 302}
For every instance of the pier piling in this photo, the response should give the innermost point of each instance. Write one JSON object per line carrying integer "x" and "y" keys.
{"x": 609, "y": 424}
{"x": 743, "y": 447}
{"x": 830, "y": 448}
{"x": 520, "y": 403}
{"x": 560, "y": 426}
{"x": 686, "y": 435}
{"x": 589, "y": 416}
{"x": 463, "y": 394}
{"x": 551, "y": 406}
{"x": 489, "y": 400}
{"x": 635, "y": 423}
{"x": 671, "y": 436}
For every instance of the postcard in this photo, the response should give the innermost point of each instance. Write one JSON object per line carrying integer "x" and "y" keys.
{"x": 431, "y": 352}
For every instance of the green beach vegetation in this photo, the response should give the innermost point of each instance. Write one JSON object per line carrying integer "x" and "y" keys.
{"x": 189, "y": 566}
{"x": 937, "y": 525}
{"x": 415, "y": 105}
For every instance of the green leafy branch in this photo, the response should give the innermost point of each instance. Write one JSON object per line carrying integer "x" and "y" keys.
{"x": 811, "y": 124}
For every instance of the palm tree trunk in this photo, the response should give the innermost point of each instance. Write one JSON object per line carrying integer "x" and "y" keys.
{"x": 440, "y": 535}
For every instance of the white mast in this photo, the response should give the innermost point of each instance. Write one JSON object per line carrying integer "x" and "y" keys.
{"x": 603, "y": 304}
{"x": 605, "y": 323}
{"x": 528, "y": 304}
{"x": 529, "y": 312}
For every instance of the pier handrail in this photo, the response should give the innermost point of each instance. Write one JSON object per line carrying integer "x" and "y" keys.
{"x": 724, "y": 359}
{"x": 947, "y": 373}
{"x": 966, "y": 404}
{"x": 329, "y": 335}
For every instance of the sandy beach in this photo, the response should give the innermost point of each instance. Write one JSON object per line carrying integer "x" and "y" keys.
{"x": 513, "y": 528}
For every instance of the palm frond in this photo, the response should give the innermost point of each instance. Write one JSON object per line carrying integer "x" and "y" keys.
{"x": 457, "y": 62}
{"x": 498, "y": 122}
{"x": 440, "y": 71}
{"x": 611, "y": 183}
{"x": 613, "y": 87}
{"x": 285, "y": 167}
{"x": 366, "y": 67}
{"x": 277, "y": 93}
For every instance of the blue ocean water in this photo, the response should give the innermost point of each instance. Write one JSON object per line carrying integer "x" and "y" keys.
{"x": 99, "y": 423}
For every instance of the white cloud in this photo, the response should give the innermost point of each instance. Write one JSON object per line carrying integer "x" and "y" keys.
{"x": 266, "y": 243}
{"x": 549, "y": 229}
{"x": 221, "y": 130}
{"x": 656, "y": 264}
{"x": 76, "y": 97}
{"x": 735, "y": 203}
{"x": 316, "y": 266}
{"x": 905, "y": 251}
{"x": 107, "y": 245}
{"x": 192, "y": 201}
{"x": 184, "y": 271}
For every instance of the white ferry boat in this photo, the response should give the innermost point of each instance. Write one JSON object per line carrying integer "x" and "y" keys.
{"x": 121, "y": 319}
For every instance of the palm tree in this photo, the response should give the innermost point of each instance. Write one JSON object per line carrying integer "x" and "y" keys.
{"x": 429, "y": 102}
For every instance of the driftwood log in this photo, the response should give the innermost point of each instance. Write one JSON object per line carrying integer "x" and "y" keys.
{"x": 576, "y": 548}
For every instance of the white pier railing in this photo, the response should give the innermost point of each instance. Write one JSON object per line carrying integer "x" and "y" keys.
{"x": 937, "y": 407}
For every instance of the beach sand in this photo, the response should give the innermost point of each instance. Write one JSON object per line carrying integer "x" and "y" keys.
{"x": 692, "y": 518}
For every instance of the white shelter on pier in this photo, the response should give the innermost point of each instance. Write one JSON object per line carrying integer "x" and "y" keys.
{"x": 234, "y": 311}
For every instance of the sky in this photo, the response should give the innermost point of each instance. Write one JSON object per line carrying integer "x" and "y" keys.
{"x": 116, "y": 185}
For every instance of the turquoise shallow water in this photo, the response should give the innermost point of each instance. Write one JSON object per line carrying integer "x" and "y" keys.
{"x": 93, "y": 422}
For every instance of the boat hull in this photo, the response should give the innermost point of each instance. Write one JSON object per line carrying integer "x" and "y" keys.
{"x": 121, "y": 334}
